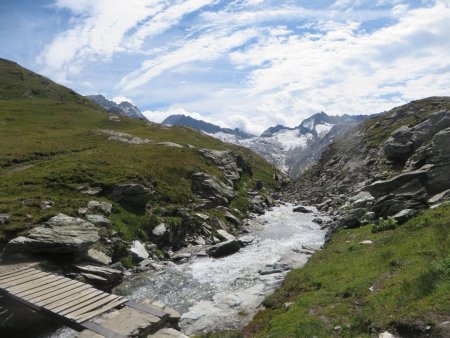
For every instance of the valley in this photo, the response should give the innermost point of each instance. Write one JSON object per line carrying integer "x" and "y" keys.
{"x": 354, "y": 243}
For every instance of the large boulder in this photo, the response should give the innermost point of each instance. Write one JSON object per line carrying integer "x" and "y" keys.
{"x": 224, "y": 248}
{"x": 225, "y": 161}
{"x": 211, "y": 188}
{"x": 131, "y": 195}
{"x": 138, "y": 251}
{"x": 60, "y": 234}
{"x": 100, "y": 274}
{"x": 103, "y": 208}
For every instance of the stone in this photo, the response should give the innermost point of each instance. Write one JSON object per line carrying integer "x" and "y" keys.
{"x": 99, "y": 220}
{"x": 98, "y": 257}
{"x": 318, "y": 220}
{"x": 60, "y": 234}
{"x": 246, "y": 240}
{"x": 4, "y": 219}
{"x": 399, "y": 147}
{"x": 362, "y": 200}
{"x": 103, "y": 275}
{"x": 226, "y": 235}
{"x": 402, "y": 216}
{"x": 386, "y": 334}
{"x": 178, "y": 256}
{"x": 168, "y": 333}
{"x": 385, "y": 187}
{"x": 225, "y": 161}
{"x": 91, "y": 190}
{"x": 231, "y": 218}
{"x": 366, "y": 242}
{"x": 103, "y": 208}
{"x": 302, "y": 209}
{"x": 441, "y": 197}
{"x": 224, "y": 249}
{"x": 199, "y": 240}
{"x": 124, "y": 137}
{"x": 131, "y": 195}
{"x": 47, "y": 205}
{"x": 211, "y": 188}
{"x": 138, "y": 251}
{"x": 159, "y": 230}
{"x": 169, "y": 144}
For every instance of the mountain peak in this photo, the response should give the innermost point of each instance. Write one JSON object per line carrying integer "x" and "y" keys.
{"x": 124, "y": 108}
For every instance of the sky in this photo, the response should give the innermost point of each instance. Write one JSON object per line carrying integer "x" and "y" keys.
{"x": 247, "y": 64}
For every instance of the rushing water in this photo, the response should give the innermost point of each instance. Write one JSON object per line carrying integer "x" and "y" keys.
{"x": 216, "y": 294}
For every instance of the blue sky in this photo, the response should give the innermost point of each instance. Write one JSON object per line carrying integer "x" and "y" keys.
{"x": 238, "y": 63}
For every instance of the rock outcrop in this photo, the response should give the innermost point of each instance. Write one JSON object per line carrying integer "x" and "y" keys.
{"x": 60, "y": 234}
{"x": 210, "y": 188}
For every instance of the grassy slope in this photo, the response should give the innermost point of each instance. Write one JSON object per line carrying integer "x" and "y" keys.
{"x": 50, "y": 145}
{"x": 408, "y": 269}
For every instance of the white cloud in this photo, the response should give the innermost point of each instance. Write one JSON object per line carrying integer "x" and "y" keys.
{"x": 103, "y": 27}
{"x": 207, "y": 47}
{"x": 120, "y": 99}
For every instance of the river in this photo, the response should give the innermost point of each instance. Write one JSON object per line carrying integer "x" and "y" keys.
{"x": 216, "y": 294}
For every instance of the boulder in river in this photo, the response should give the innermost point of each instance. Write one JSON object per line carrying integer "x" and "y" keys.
{"x": 138, "y": 251}
{"x": 60, "y": 234}
{"x": 224, "y": 249}
{"x": 302, "y": 210}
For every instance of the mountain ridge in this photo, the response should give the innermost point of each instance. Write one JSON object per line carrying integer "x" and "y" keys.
{"x": 124, "y": 108}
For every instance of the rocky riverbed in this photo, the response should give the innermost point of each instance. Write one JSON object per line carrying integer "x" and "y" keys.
{"x": 224, "y": 293}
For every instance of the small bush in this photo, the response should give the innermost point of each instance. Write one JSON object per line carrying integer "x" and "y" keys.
{"x": 385, "y": 224}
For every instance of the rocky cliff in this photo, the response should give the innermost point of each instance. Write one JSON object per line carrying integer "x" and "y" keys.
{"x": 390, "y": 164}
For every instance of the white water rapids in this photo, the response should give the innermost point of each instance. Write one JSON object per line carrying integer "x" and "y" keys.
{"x": 216, "y": 294}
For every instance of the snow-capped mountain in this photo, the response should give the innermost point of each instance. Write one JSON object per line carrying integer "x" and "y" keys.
{"x": 291, "y": 149}
{"x": 226, "y": 134}
{"x": 123, "y": 108}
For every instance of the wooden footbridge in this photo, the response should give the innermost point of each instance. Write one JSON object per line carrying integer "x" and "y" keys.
{"x": 70, "y": 302}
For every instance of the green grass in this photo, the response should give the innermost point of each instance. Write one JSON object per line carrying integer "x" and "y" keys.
{"x": 51, "y": 145}
{"x": 401, "y": 280}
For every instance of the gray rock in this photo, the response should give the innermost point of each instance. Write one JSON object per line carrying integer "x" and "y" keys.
{"x": 98, "y": 257}
{"x": 226, "y": 161}
{"x": 362, "y": 200}
{"x": 226, "y": 235}
{"x": 438, "y": 198}
{"x": 231, "y": 218}
{"x": 138, "y": 251}
{"x": 170, "y": 144}
{"x": 4, "y": 219}
{"x": 246, "y": 240}
{"x": 211, "y": 188}
{"x": 366, "y": 242}
{"x": 168, "y": 333}
{"x": 159, "y": 230}
{"x": 370, "y": 216}
{"x": 199, "y": 240}
{"x": 99, "y": 220}
{"x": 224, "y": 248}
{"x": 302, "y": 209}
{"x": 91, "y": 190}
{"x": 402, "y": 216}
{"x": 47, "y": 205}
{"x": 124, "y": 137}
{"x": 318, "y": 220}
{"x": 178, "y": 256}
{"x": 103, "y": 275}
{"x": 131, "y": 195}
{"x": 103, "y": 208}
{"x": 60, "y": 234}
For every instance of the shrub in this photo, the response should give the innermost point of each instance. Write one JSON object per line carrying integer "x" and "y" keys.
{"x": 385, "y": 224}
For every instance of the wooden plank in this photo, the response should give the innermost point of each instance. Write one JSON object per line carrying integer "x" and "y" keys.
{"x": 90, "y": 307}
{"x": 92, "y": 314}
{"x": 15, "y": 272}
{"x": 103, "y": 331}
{"x": 37, "y": 283}
{"x": 80, "y": 305}
{"x": 62, "y": 297}
{"x": 38, "y": 298}
{"x": 72, "y": 298}
{"x": 45, "y": 290}
{"x": 21, "y": 273}
{"x": 21, "y": 279}
{"x": 146, "y": 309}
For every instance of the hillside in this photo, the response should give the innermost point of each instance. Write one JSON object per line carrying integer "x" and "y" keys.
{"x": 386, "y": 265}
{"x": 59, "y": 151}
